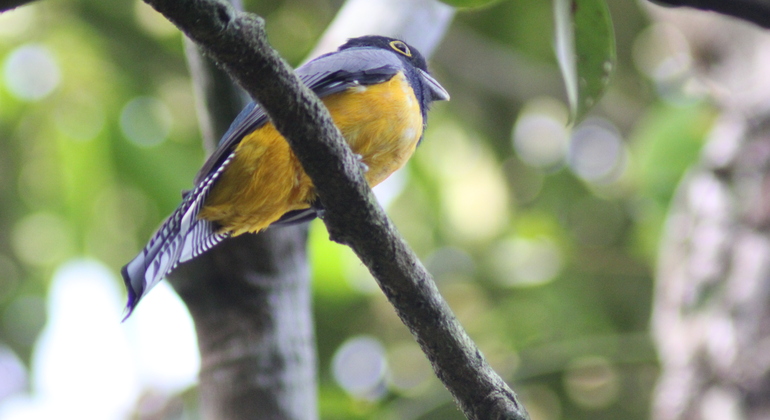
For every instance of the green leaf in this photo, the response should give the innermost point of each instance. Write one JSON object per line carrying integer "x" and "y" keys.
{"x": 585, "y": 49}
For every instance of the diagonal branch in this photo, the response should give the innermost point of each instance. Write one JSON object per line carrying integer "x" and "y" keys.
{"x": 238, "y": 43}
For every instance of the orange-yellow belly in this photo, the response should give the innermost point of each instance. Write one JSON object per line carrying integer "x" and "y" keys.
{"x": 382, "y": 123}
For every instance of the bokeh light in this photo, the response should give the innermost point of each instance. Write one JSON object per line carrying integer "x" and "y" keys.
{"x": 88, "y": 365}
{"x": 82, "y": 361}
{"x": 476, "y": 204}
{"x": 164, "y": 342}
{"x": 408, "y": 370}
{"x": 13, "y": 375}
{"x": 145, "y": 121}
{"x": 662, "y": 53}
{"x": 540, "y": 135}
{"x": 597, "y": 153}
{"x": 474, "y": 194}
{"x": 592, "y": 382}
{"x": 525, "y": 262}
{"x": 359, "y": 367}
{"x": 42, "y": 238}
{"x": 31, "y": 72}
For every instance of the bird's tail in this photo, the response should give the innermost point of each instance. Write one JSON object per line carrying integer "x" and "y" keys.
{"x": 179, "y": 239}
{"x": 182, "y": 237}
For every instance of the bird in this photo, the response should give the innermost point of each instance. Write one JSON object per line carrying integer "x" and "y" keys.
{"x": 378, "y": 91}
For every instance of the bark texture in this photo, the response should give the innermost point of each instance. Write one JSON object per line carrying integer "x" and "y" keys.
{"x": 711, "y": 314}
{"x": 250, "y": 300}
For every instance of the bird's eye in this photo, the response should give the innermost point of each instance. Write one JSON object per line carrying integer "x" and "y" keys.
{"x": 401, "y": 48}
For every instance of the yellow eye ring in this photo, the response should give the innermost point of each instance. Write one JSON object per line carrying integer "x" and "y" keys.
{"x": 401, "y": 48}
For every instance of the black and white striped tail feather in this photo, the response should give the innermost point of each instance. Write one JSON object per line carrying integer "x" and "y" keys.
{"x": 182, "y": 237}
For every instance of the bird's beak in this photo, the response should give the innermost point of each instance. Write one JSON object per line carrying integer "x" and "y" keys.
{"x": 438, "y": 93}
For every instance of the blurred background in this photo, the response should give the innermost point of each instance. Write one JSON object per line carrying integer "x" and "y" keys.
{"x": 542, "y": 237}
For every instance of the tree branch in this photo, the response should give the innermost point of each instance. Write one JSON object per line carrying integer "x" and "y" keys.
{"x": 237, "y": 41}
{"x": 755, "y": 11}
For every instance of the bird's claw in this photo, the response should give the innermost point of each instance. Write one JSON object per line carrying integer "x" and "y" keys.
{"x": 360, "y": 159}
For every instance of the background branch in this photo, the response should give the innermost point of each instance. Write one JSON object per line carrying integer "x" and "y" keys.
{"x": 755, "y": 11}
{"x": 12, "y": 4}
{"x": 237, "y": 41}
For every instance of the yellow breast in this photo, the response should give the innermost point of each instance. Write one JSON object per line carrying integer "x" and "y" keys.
{"x": 382, "y": 123}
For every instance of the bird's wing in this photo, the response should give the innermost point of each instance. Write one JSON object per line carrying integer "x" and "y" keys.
{"x": 183, "y": 235}
{"x": 326, "y": 75}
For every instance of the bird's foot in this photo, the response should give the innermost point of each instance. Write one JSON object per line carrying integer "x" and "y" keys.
{"x": 360, "y": 159}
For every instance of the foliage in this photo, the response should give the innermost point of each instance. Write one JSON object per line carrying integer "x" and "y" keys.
{"x": 585, "y": 48}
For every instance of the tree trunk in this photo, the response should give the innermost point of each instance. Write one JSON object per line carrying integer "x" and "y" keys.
{"x": 711, "y": 316}
{"x": 250, "y": 300}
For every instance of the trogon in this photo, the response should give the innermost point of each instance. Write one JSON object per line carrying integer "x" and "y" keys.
{"x": 378, "y": 91}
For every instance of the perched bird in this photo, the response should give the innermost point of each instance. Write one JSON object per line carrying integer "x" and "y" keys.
{"x": 377, "y": 90}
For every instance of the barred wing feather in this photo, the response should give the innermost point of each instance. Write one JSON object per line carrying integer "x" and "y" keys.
{"x": 182, "y": 237}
